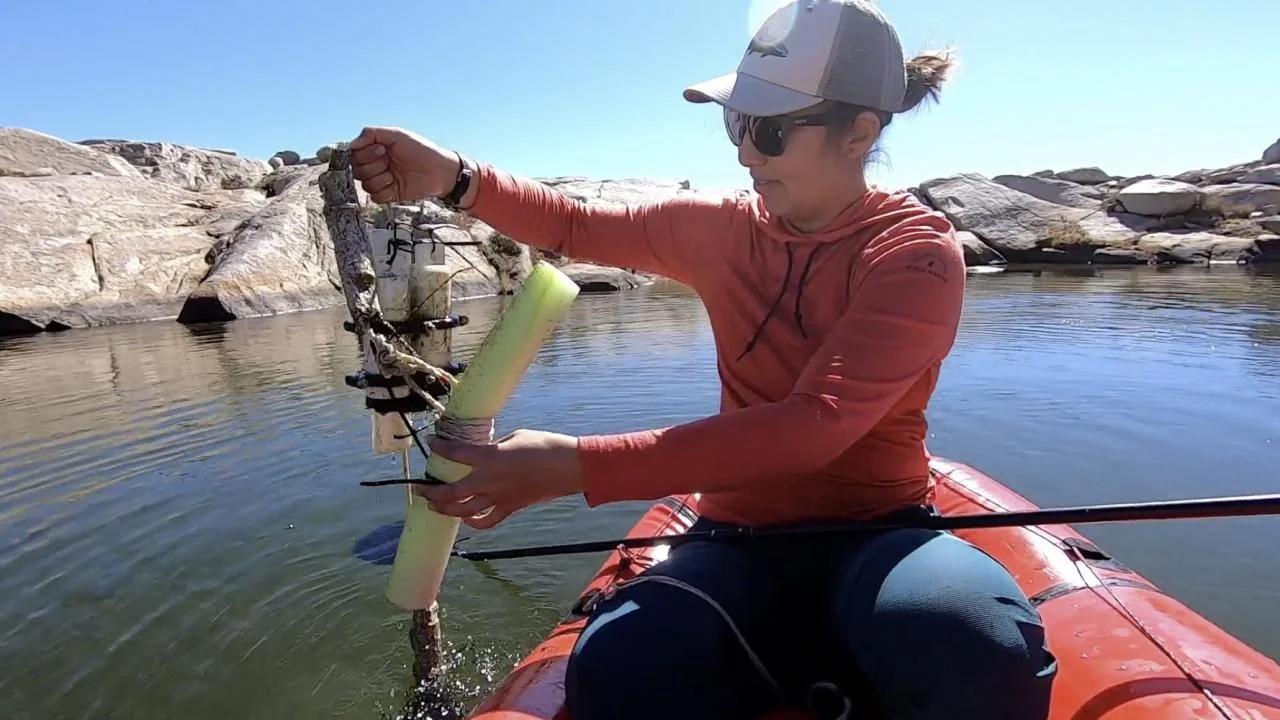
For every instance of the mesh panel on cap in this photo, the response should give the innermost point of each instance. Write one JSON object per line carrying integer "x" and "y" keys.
{"x": 866, "y": 65}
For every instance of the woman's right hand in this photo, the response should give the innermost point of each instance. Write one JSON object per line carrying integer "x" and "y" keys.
{"x": 395, "y": 165}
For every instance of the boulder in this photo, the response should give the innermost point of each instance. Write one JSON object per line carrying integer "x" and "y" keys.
{"x": 511, "y": 261}
{"x": 1197, "y": 247}
{"x": 1239, "y": 199}
{"x": 1085, "y": 176}
{"x": 279, "y": 181}
{"x": 280, "y": 259}
{"x": 1023, "y": 228}
{"x": 1059, "y": 192}
{"x": 1217, "y": 176}
{"x": 22, "y": 151}
{"x": 1267, "y": 174}
{"x": 1044, "y": 174}
{"x": 598, "y": 278}
{"x": 84, "y": 250}
{"x": 1194, "y": 177}
{"x": 288, "y": 157}
{"x": 74, "y": 246}
{"x": 617, "y": 191}
{"x": 187, "y": 167}
{"x": 1272, "y": 154}
{"x": 1122, "y": 256}
{"x": 1157, "y": 198}
{"x": 1223, "y": 177}
{"x": 143, "y": 274}
{"x": 276, "y": 163}
{"x": 1268, "y": 249}
{"x": 39, "y": 172}
{"x": 1269, "y": 224}
{"x": 977, "y": 252}
{"x": 1136, "y": 180}
{"x": 324, "y": 153}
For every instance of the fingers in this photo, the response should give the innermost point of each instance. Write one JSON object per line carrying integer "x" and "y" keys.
{"x": 378, "y": 183}
{"x": 464, "y": 509}
{"x": 389, "y": 195}
{"x": 374, "y": 134}
{"x": 449, "y": 493}
{"x": 369, "y": 155}
{"x": 363, "y": 139}
{"x": 382, "y": 187}
{"x": 488, "y": 520}
{"x": 372, "y": 168}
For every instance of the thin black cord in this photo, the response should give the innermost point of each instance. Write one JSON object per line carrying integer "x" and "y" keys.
{"x": 414, "y": 434}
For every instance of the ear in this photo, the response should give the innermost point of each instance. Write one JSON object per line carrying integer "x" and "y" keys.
{"x": 862, "y": 135}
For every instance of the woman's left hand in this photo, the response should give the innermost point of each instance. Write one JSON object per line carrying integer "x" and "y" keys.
{"x": 519, "y": 470}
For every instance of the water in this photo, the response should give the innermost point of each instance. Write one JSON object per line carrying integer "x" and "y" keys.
{"x": 182, "y": 533}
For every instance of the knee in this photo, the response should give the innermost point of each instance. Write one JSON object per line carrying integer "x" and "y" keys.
{"x": 940, "y": 623}
{"x": 616, "y": 638}
{"x": 647, "y": 637}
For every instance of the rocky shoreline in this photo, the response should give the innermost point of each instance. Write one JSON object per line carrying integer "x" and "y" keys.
{"x": 103, "y": 231}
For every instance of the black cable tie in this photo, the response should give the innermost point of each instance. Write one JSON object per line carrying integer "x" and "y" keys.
{"x": 416, "y": 327}
{"x": 425, "y": 480}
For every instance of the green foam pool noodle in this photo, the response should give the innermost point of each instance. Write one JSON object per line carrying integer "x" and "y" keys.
{"x": 492, "y": 375}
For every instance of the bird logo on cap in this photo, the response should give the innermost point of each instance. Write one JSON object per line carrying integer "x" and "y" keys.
{"x": 767, "y": 49}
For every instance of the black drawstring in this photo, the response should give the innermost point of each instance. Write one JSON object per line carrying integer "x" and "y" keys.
{"x": 800, "y": 290}
{"x": 786, "y": 279}
{"x": 796, "y": 313}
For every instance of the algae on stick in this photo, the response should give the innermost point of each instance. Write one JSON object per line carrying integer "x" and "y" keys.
{"x": 491, "y": 376}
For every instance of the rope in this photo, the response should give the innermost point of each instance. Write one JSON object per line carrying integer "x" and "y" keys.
{"x": 477, "y": 431}
{"x": 406, "y": 364}
{"x": 1146, "y": 632}
{"x": 742, "y": 640}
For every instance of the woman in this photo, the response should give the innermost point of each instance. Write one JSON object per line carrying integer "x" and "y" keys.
{"x": 833, "y": 305}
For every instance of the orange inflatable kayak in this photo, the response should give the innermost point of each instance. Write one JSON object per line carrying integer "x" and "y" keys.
{"x": 1126, "y": 651}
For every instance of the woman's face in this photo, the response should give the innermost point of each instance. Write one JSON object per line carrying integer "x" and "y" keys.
{"x": 818, "y": 166}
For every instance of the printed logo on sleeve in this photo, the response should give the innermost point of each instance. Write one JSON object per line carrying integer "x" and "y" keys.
{"x": 930, "y": 264}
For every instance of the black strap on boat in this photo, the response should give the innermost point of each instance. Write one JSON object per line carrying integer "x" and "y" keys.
{"x": 1221, "y": 507}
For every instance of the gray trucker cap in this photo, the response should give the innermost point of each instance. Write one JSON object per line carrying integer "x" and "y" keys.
{"x": 814, "y": 50}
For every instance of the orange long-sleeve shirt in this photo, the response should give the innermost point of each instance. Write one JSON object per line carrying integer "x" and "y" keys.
{"x": 828, "y": 346}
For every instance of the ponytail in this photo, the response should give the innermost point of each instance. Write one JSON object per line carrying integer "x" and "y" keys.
{"x": 926, "y": 73}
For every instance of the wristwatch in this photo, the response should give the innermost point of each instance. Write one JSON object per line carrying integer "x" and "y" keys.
{"x": 460, "y": 185}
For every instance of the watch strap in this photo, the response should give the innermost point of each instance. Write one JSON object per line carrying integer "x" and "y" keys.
{"x": 461, "y": 184}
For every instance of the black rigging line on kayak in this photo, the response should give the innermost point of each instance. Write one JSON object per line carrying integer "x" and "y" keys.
{"x": 1200, "y": 508}
{"x": 1133, "y": 619}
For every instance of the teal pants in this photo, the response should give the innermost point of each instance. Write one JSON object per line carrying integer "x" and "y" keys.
{"x": 912, "y": 624}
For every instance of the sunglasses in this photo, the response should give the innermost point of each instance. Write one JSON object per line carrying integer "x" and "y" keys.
{"x": 769, "y": 134}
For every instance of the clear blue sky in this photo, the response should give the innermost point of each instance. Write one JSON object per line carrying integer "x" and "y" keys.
{"x": 559, "y": 87}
